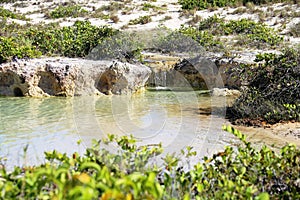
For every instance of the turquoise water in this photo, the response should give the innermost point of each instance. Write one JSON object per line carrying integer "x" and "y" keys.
{"x": 44, "y": 124}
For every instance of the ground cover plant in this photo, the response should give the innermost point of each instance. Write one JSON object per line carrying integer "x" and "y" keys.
{"x": 196, "y": 4}
{"x": 67, "y": 11}
{"x": 209, "y": 30}
{"x": 141, "y": 20}
{"x": 129, "y": 173}
{"x": 32, "y": 41}
{"x": 4, "y": 13}
{"x": 273, "y": 90}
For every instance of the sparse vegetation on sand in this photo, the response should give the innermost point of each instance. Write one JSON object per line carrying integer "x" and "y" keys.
{"x": 254, "y": 34}
{"x": 196, "y": 4}
{"x": 32, "y": 41}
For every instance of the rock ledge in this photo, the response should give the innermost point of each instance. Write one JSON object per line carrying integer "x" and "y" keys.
{"x": 70, "y": 77}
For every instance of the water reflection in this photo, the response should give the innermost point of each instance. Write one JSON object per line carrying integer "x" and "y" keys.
{"x": 57, "y": 123}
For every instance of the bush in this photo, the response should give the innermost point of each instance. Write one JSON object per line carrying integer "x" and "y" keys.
{"x": 129, "y": 173}
{"x": 7, "y": 13}
{"x": 211, "y": 29}
{"x": 204, "y": 38}
{"x": 19, "y": 47}
{"x": 67, "y": 11}
{"x": 141, "y": 20}
{"x": 74, "y": 41}
{"x": 196, "y": 4}
{"x": 30, "y": 41}
{"x": 257, "y": 33}
{"x": 273, "y": 92}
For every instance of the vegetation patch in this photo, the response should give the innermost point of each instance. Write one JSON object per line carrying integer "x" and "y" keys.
{"x": 253, "y": 34}
{"x": 19, "y": 47}
{"x": 8, "y": 14}
{"x": 67, "y": 11}
{"x": 200, "y": 5}
{"x": 130, "y": 173}
{"x": 141, "y": 20}
{"x": 73, "y": 41}
{"x": 204, "y": 38}
{"x": 273, "y": 90}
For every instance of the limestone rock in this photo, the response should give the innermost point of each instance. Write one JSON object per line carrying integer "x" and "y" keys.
{"x": 199, "y": 72}
{"x": 70, "y": 77}
{"x": 225, "y": 92}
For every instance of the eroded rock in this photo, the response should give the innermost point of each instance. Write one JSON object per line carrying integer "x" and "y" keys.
{"x": 225, "y": 92}
{"x": 206, "y": 72}
{"x": 70, "y": 77}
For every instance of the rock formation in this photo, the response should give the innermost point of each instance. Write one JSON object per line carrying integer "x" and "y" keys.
{"x": 200, "y": 73}
{"x": 70, "y": 77}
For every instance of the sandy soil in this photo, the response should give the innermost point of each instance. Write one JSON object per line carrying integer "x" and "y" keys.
{"x": 164, "y": 13}
{"x": 279, "y": 134}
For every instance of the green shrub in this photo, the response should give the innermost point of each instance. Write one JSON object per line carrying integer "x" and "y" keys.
{"x": 7, "y": 13}
{"x": 67, "y": 11}
{"x": 141, "y": 20}
{"x": 273, "y": 92}
{"x": 197, "y": 4}
{"x": 204, "y": 38}
{"x": 73, "y": 41}
{"x": 130, "y": 173}
{"x": 8, "y": 1}
{"x": 19, "y": 47}
{"x": 148, "y": 6}
{"x": 257, "y": 33}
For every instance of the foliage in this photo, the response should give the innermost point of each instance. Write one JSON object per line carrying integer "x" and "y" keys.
{"x": 273, "y": 92}
{"x": 210, "y": 30}
{"x": 141, "y": 20}
{"x": 204, "y": 38}
{"x": 21, "y": 48}
{"x": 148, "y": 6}
{"x": 67, "y": 11}
{"x": 196, "y": 4}
{"x": 8, "y": 1}
{"x": 123, "y": 46}
{"x": 7, "y": 13}
{"x": 129, "y": 173}
{"x": 73, "y": 41}
{"x": 257, "y": 33}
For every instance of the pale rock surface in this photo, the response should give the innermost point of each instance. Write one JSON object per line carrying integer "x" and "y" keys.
{"x": 70, "y": 77}
{"x": 225, "y": 92}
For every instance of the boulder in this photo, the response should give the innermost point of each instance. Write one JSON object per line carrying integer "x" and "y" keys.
{"x": 225, "y": 92}
{"x": 70, "y": 77}
{"x": 211, "y": 71}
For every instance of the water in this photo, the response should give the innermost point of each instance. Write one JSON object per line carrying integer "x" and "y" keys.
{"x": 173, "y": 118}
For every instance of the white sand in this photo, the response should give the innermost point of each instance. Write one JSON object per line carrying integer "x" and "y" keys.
{"x": 35, "y": 11}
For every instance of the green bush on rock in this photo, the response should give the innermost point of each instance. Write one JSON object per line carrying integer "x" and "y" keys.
{"x": 129, "y": 173}
{"x": 30, "y": 41}
{"x": 21, "y": 48}
{"x": 73, "y": 41}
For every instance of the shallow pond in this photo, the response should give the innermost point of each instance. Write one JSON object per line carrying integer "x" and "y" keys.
{"x": 175, "y": 118}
